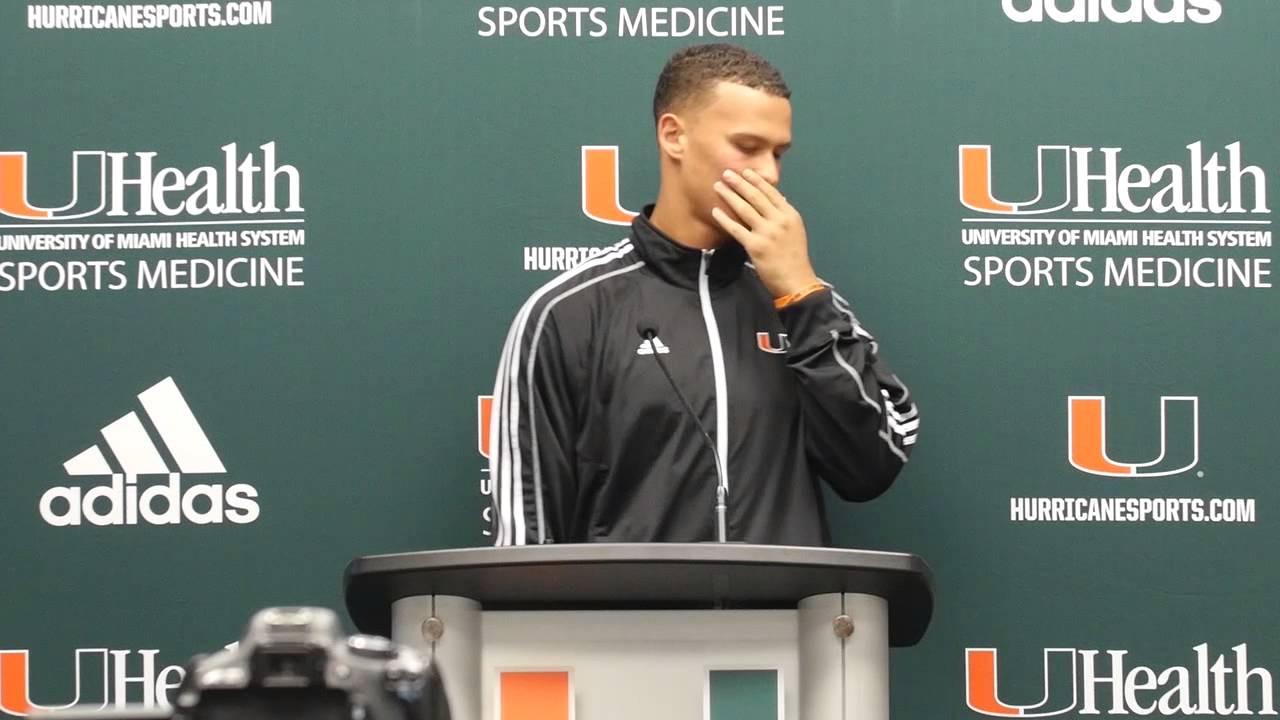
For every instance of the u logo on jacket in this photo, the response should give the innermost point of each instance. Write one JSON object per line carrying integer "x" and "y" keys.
{"x": 765, "y": 342}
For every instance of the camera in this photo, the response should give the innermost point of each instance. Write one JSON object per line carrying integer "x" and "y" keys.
{"x": 295, "y": 662}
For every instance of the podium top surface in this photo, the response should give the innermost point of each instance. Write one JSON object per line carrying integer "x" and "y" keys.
{"x": 642, "y": 576}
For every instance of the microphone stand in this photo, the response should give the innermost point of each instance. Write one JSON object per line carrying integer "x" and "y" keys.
{"x": 648, "y": 332}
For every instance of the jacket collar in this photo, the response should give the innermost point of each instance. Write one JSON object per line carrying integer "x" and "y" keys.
{"x": 680, "y": 265}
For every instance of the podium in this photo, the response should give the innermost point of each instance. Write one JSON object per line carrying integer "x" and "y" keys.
{"x": 648, "y": 631}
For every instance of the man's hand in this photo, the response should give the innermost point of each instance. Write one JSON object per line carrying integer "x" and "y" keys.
{"x": 770, "y": 229}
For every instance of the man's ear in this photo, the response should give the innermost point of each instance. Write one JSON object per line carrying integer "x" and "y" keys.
{"x": 672, "y": 137}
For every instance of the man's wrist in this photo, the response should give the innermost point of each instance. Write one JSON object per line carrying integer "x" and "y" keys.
{"x": 791, "y": 298}
{"x": 782, "y": 284}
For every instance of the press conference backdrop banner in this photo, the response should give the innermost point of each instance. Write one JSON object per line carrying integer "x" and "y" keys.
{"x": 257, "y": 260}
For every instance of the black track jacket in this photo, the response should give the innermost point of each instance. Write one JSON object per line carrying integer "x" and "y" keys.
{"x": 590, "y": 444}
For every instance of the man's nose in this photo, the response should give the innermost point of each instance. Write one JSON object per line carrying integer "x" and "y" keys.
{"x": 770, "y": 170}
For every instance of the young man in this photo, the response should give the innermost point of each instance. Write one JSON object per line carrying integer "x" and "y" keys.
{"x": 591, "y": 443}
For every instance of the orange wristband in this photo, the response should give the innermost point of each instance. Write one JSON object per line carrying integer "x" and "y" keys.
{"x": 797, "y": 296}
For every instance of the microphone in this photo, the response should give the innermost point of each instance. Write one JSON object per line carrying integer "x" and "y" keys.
{"x": 648, "y": 330}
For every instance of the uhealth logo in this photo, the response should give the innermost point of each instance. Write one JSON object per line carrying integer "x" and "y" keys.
{"x": 129, "y": 184}
{"x": 123, "y": 502}
{"x": 1076, "y": 678}
{"x": 484, "y": 413}
{"x": 1179, "y": 438}
{"x": 112, "y": 666}
{"x": 1116, "y": 11}
{"x": 1088, "y": 180}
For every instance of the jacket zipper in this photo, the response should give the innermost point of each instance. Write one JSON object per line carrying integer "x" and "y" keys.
{"x": 717, "y": 364}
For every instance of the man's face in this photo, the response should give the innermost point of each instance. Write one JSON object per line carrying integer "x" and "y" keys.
{"x": 737, "y": 128}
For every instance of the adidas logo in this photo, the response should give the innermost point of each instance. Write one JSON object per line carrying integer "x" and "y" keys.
{"x": 123, "y": 502}
{"x": 1133, "y": 11}
{"x": 647, "y": 349}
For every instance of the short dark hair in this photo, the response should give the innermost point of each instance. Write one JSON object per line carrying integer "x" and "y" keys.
{"x": 692, "y": 71}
